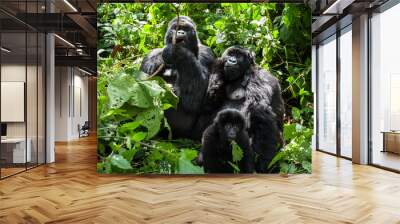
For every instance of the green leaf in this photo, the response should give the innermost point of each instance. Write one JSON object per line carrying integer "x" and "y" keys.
{"x": 130, "y": 126}
{"x": 237, "y": 152}
{"x": 291, "y": 169}
{"x": 104, "y": 167}
{"x": 307, "y": 166}
{"x": 220, "y": 24}
{"x": 139, "y": 96}
{"x": 118, "y": 90}
{"x": 120, "y": 162}
{"x": 129, "y": 154}
{"x": 296, "y": 113}
{"x": 185, "y": 162}
{"x": 169, "y": 97}
{"x": 139, "y": 136}
{"x": 152, "y": 88}
{"x": 235, "y": 167}
{"x": 289, "y": 131}
{"x": 276, "y": 158}
{"x": 151, "y": 119}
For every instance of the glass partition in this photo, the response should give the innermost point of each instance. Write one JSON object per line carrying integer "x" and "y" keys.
{"x": 15, "y": 150}
{"x": 326, "y": 107}
{"x": 346, "y": 92}
{"x": 22, "y": 88}
{"x": 385, "y": 89}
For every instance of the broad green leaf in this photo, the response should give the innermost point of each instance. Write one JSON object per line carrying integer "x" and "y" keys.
{"x": 151, "y": 119}
{"x": 119, "y": 90}
{"x": 130, "y": 126}
{"x": 276, "y": 158}
{"x": 129, "y": 154}
{"x": 185, "y": 162}
{"x": 139, "y": 97}
{"x": 120, "y": 162}
{"x": 289, "y": 131}
{"x": 296, "y": 113}
{"x": 237, "y": 152}
{"x": 139, "y": 136}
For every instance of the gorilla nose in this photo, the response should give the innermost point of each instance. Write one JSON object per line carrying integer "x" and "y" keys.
{"x": 231, "y": 135}
{"x": 232, "y": 60}
{"x": 180, "y": 33}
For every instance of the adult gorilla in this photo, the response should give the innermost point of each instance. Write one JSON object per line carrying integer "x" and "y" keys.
{"x": 237, "y": 82}
{"x": 187, "y": 67}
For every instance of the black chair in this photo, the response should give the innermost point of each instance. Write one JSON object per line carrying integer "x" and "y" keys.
{"x": 84, "y": 130}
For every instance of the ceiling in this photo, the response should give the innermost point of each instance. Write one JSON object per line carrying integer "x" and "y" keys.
{"x": 74, "y": 22}
{"x": 331, "y": 15}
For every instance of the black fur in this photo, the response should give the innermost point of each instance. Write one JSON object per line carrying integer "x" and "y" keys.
{"x": 229, "y": 125}
{"x": 237, "y": 82}
{"x": 187, "y": 68}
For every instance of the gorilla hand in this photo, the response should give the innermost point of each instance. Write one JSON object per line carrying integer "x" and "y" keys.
{"x": 174, "y": 54}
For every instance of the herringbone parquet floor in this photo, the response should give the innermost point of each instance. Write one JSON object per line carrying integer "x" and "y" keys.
{"x": 70, "y": 191}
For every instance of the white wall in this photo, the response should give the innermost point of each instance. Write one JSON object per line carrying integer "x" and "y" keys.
{"x": 33, "y": 126}
{"x": 71, "y": 102}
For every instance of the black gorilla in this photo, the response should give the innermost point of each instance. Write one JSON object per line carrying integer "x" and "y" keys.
{"x": 187, "y": 68}
{"x": 229, "y": 125}
{"x": 237, "y": 82}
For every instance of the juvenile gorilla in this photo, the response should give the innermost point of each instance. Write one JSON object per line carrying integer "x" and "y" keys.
{"x": 229, "y": 125}
{"x": 237, "y": 82}
{"x": 187, "y": 68}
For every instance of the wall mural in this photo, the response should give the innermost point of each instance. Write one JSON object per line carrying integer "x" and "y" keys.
{"x": 204, "y": 88}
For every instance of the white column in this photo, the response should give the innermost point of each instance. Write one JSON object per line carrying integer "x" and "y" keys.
{"x": 50, "y": 94}
{"x": 314, "y": 91}
{"x": 360, "y": 90}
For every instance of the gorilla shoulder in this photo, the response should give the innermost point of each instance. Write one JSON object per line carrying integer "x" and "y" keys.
{"x": 206, "y": 56}
{"x": 152, "y": 61}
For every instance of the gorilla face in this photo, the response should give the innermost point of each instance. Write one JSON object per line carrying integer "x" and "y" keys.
{"x": 186, "y": 35}
{"x": 230, "y": 123}
{"x": 237, "y": 61}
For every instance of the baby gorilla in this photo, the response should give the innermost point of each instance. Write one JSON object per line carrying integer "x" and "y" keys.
{"x": 229, "y": 125}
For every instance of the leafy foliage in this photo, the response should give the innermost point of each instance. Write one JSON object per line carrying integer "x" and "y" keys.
{"x": 131, "y": 109}
{"x": 237, "y": 155}
{"x": 296, "y": 155}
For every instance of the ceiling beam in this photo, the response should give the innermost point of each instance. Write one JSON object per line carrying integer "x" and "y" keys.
{"x": 89, "y": 30}
{"x": 79, "y": 61}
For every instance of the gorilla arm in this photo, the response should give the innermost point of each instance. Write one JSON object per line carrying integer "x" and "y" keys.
{"x": 152, "y": 61}
{"x": 193, "y": 75}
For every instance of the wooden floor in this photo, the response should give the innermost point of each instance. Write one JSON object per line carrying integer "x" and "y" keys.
{"x": 70, "y": 191}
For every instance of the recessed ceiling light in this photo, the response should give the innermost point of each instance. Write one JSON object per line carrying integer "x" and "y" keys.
{"x": 5, "y": 50}
{"x": 70, "y": 5}
{"x": 64, "y": 40}
{"x": 86, "y": 72}
{"x": 337, "y": 7}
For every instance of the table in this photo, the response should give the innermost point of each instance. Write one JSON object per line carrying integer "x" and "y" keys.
{"x": 16, "y": 147}
{"x": 391, "y": 141}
